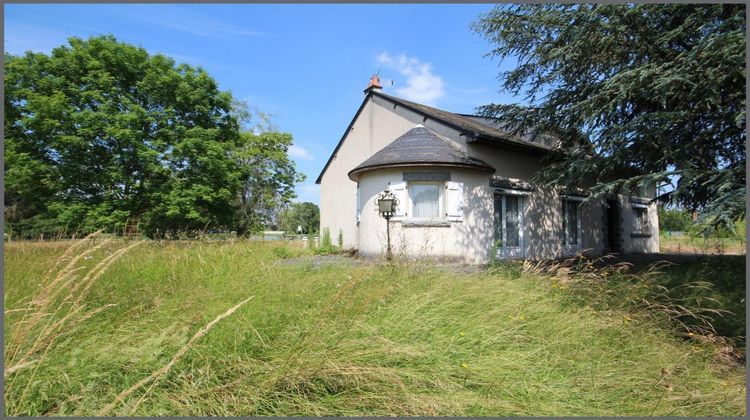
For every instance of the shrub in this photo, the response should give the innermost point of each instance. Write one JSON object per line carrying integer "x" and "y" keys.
{"x": 326, "y": 246}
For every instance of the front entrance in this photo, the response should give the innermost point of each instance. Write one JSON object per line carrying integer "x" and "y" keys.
{"x": 614, "y": 240}
{"x": 508, "y": 226}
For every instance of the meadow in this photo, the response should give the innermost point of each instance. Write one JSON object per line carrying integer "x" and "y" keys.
{"x": 687, "y": 244}
{"x": 225, "y": 328}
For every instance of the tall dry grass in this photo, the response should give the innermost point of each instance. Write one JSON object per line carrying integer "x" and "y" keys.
{"x": 598, "y": 282}
{"x": 155, "y": 375}
{"x": 352, "y": 339}
{"x": 57, "y": 308}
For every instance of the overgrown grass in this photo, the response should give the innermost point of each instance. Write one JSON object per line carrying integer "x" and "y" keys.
{"x": 716, "y": 281}
{"x": 344, "y": 340}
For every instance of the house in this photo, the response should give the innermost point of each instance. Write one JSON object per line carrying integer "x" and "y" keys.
{"x": 464, "y": 191}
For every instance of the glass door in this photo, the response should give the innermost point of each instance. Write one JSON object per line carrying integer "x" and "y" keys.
{"x": 509, "y": 226}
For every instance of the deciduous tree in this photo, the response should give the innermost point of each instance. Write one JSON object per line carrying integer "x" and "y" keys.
{"x": 306, "y": 215}
{"x": 268, "y": 177}
{"x": 100, "y": 132}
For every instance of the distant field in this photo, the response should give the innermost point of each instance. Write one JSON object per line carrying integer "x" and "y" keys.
{"x": 687, "y": 245}
{"x": 342, "y": 339}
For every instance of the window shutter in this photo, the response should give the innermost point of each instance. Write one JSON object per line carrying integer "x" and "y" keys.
{"x": 399, "y": 191}
{"x": 454, "y": 200}
{"x": 359, "y": 209}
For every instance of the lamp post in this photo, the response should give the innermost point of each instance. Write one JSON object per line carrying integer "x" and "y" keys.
{"x": 386, "y": 204}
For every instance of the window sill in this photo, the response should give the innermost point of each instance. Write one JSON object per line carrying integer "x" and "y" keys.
{"x": 640, "y": 234}
{"x": 425, "y": 223}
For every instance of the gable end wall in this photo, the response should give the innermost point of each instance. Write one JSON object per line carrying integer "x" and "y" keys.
{"x": 377, "y": 125}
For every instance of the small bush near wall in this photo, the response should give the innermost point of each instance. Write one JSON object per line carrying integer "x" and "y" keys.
{"x": 325, "y": 239}
{"x": 326, "y": 245}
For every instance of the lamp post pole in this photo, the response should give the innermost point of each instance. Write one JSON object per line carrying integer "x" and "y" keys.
{"x": 388, "y": 254}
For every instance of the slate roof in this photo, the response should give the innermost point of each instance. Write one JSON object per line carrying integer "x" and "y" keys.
{"x": 419, "y": 146}
{"x": 481, "y": 130}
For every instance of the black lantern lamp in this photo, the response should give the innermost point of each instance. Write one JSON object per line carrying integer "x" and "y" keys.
{"x": 386, "y": 204}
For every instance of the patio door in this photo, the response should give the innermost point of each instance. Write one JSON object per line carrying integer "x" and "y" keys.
{"x": 509, "y": 226}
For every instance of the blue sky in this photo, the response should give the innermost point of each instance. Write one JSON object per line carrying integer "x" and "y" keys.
{"x": 305, "y": 65}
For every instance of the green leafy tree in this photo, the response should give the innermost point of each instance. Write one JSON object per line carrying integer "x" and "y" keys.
{"x": 268, "y": 177}
{"x": 674, "y": 219}
{"x": 100, "y": 132}
{"x": 637, "y": 94}
{"x": 304, "y": 214}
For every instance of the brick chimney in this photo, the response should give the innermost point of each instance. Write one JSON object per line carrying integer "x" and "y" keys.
{"x": 374, "y": 84}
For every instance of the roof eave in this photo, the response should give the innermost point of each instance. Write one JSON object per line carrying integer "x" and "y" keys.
{"x": 509, "y": 144}
{"x": 354, "y": 173}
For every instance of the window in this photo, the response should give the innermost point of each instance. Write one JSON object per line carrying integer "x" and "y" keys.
{"x": 425, "y": 200}
{"x": 508, "y": 224}
{"x": 641, "y": 220}
{"x": 511, "y": 221}
{"x": 571, "y": 223}
{"x": 428, "y": 201}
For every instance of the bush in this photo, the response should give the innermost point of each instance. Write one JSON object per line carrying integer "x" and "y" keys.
{"x": 326, "y": 246}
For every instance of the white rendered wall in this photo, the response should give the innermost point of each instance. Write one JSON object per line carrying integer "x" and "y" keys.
{"x": 470, "y": 240}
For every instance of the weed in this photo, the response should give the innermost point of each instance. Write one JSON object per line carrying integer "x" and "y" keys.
{"x": 325, "y": 239}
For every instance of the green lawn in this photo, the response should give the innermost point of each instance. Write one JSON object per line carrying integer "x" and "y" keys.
{"x": 334, "y": 340}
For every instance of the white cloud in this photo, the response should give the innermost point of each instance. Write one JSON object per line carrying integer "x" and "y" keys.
{"x": 300, "y": 152}
{"x": 422, "y": 85}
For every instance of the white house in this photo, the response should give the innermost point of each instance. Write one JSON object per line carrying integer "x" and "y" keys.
{"x": 464, "y": 192}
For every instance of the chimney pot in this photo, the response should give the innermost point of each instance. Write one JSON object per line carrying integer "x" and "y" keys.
{"x": 374, "y": 84}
